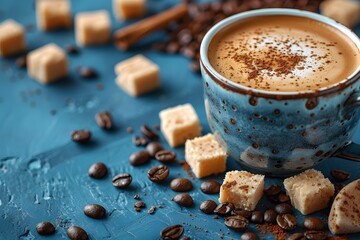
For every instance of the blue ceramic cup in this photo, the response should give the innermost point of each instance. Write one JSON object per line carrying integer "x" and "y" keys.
{"x": 280, "y": 134}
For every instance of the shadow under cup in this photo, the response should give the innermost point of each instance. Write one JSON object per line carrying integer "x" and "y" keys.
{"x": 280, "y": 134}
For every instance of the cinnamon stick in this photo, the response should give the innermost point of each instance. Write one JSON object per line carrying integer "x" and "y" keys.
{"x": 129, "y": 35}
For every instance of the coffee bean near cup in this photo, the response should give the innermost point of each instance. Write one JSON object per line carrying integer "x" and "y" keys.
{"x": 282, "y": 89}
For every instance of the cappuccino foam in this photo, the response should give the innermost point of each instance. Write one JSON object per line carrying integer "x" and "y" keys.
{"x": 283, "y": 54}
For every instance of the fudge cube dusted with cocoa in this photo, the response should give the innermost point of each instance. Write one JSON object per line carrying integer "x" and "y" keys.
{"x": 205, "y": 156}
{"x": 179, "y": 124}
{"x": 92, "y": 28}
{"x": 47, "y": 64}
{"x": 243, "y": 189}
{"x": 127, "y": 9}
{"x": 309, "y": 191}
{"x": 12, "y": 38}
{"x": 137, "y": 75}
{"x": 53, "y": 14}
{"x": 346, "y": 12}
{"x": 344, "y": 215}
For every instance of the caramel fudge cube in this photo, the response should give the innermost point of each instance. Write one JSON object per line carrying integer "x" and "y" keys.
{"x": 12, "y": 38}
{"x": 92, "y": 28}
{"x": 137, "y": 75}
{"x": 179, "y": 124}
{"x": 127, "y": 9}
{"x": 344, "y": 215}
{"x": 47, "y": 64}
{"x": 309, "y": 191}
{"x": 205, "y": 156}
{"x": 53, "y": 14}
{"x": 243, "y": 189}
{"x": 346, "y": 12}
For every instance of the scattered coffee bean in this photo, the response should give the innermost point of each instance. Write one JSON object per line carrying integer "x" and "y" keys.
{"x": 315, "y": 235}
{"x": 137, "y": 209}
{"x": 340, "y": 175}
{"x": 183, "y": 199}
{"x": 172, "y": 232}
{"x": 104, "y": 120}
{"x": 257, "y": 217}
{"x": 249, "y": 236}
{"x": 165, "y": 156}
{"x": 129, "y": 129}
{"x": 283, "y": 208}
{"x": 158, "y": 173}
{"x": 139, "y": 204}
{"x": 81, "y": 136}
{"x": 208, "y": 206}
{"x": 270, "y": 216}
{"x": 122, "y": 180}
{"x": 98, "y": 170}
{"x": 21, "y": 62}
{"x": 282, "y": 197}
{"x": 244, "y": 213}
{"x": 148, "y": 132}
{"x": 139, "y": 158}
{"x": 95, "y": 211}
{"x": 87, "y": 72}
{"x": 296, "y": 236}
{"x": 153, "y": 147}
{"x": 313, "y": 223}
{"x": 71, "y": 49}
{"x": 224, "y": 208}
{"x": 152, "y": 210}
{"x": 45, "y": 228}
{"x": 286, "y": 221}
{"x": 181, "y": 185}
{"x": 139, "y": 141}
{"x": 76, "y": 233}
{"x": 272, "y": 190}
{"x": 210, "y": 187}
{"x": 238, "y": 223}
{"x": 136, "y": 196}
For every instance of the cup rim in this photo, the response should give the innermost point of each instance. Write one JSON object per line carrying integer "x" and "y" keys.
{"x": 237, "y": 87}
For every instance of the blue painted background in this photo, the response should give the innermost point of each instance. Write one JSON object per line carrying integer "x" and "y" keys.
{"x": 43, "y": 174}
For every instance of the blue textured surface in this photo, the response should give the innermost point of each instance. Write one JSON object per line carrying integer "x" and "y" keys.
{"x": 43, "y": 175}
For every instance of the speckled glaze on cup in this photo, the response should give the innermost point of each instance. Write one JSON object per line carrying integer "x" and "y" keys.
{"x": 280, "y": 134}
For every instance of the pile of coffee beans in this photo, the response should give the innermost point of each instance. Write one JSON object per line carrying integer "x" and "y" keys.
{"x": 185, "y": 36}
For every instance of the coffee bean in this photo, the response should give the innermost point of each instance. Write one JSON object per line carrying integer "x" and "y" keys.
{"x": 21, "y": 62}
{"x": 210, "y": 187}
{"x": 257, "y": 217}
{"x": 76, "y": 233}
{"x": 313, "y": 223}
{"x": 282, "y": 197}
{"x": 148, "y": 132}
{"x": 98, "y": 170}
{"x": 71, "y": 49}
{"x": 95, "y": 211}
{"x": 270, "y": 216}
{"x": 172, "y": 47}
{"x": 87, "y": 72}
{"x": 340, "y": 175}
{"x": 315, "y": 235}
{"x": 244, "y": 213}
{"x": 172, "y": 232}
{"x": 136, "y": 197}
{"x": 45, "y": 228}
{"x": 139, "y": 204}
{"x": 81, "y": 136}
{"x": 165, "y": 156}
{"x": 139, "y": 158}
{"x": 296, "y": 236}
{"x": 181, "y": 185}
{"x": 158, "y": 173}
{"x": 122, "y": 180}
{"x": 153, "y": 147}
{"x": 224, "y": 208}
{"x": 286, "y": 221}
{"x": 183, "y": 199}
{"x": 139, "y": 141}
{"x": 272, "y": 190}
{"x": 208, "y": 206}
{"x": 104, "y": 120}
{"x": 238, "y": 223}
{"x": 283, "y": 208}
{"x": 249, "y": 236}
{"x": 152, "y": 210}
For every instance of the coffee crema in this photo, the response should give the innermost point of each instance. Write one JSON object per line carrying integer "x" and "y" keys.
{"x": 283, "y": 54}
